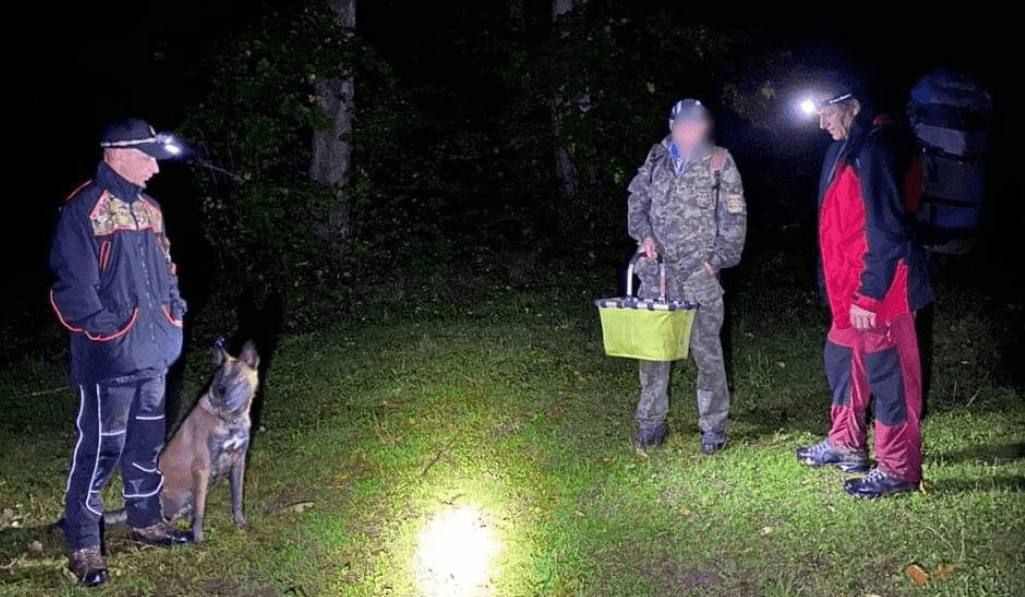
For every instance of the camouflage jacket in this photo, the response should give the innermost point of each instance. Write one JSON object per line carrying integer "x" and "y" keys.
{"x": 680, "y": 213}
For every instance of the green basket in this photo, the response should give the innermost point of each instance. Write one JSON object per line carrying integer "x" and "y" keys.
{"x": 649, "y": 330}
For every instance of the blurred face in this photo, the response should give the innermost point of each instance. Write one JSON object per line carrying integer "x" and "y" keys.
{"x": 837, "y": 119}
{"x": 133, "y": 165}
{"x": 689, "y": 133}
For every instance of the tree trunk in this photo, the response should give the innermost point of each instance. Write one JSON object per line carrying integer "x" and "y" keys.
{"x": 564, "y": 169}
{"x": 331, "y": 154}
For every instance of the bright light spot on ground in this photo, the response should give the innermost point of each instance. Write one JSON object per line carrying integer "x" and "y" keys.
{"x": 454, "y": 552}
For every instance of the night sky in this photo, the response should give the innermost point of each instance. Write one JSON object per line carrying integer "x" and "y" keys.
{"x": 76, "y": 68}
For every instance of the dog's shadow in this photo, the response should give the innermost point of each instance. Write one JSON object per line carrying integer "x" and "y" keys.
{"x": 260, "y": 322}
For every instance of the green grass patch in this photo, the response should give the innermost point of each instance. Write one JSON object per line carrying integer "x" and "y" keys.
{"x": 484, "y": 450}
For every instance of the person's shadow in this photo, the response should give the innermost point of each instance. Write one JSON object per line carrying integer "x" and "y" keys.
{"x": 987, "y": 454}
{"x": 30, "y": 552}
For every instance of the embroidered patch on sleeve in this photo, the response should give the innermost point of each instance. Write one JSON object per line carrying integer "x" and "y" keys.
{"x": 735, "y": 204}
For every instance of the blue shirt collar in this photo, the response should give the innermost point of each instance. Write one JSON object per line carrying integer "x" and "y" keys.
{"x": 680, "y": 161}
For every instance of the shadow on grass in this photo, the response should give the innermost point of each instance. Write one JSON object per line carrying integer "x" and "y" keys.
{"x": 759, "y": 422}
{"x": 261, "y": 322}
{"x": 990, "y": 454}
{"x": 1004, "y": 483}
{"x": 29, "y": 553}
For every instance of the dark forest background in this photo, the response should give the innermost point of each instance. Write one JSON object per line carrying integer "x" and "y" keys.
{"x": 491, "y": 141}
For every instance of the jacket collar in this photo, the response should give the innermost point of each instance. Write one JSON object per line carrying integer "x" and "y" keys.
{"x": 680, "y": 162}
{"x": 121, "y": 188}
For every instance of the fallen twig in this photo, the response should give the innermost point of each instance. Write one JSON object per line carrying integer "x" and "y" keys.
{"x": 976, "y": 394}
{"x": 40, "y": 393}
{"x": 438, "y": 456}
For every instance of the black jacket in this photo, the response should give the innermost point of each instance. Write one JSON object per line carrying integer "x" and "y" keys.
{"x": 116, "y": 289}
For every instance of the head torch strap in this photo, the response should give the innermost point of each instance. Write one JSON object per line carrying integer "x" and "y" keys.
{"x": 129, "y": 143}
{"x": 840, "y": 98}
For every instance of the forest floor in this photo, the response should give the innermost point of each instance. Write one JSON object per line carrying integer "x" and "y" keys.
{"x": 482, "y": 447}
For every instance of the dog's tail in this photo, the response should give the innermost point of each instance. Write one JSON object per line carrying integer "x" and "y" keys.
{"x": 119, "y": 516}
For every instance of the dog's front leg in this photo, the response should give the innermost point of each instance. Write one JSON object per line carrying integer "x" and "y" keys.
{"x": 237, "y": 475}
{"x": 201, "y": 480}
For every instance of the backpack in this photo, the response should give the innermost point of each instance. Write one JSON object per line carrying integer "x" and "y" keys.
{"x": 950, "y": 115}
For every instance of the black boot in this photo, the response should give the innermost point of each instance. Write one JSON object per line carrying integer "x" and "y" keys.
{"x": 161, "y": 534}
{"x": 651, "y": 436}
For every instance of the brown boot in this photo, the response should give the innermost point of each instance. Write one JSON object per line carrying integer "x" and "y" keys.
{"x": 87, "y": 565}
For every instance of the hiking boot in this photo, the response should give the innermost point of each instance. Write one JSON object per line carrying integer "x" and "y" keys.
{"x": 877, "y": 484}
{"x": 87, "y": 566}
{"x": 712, "y": 442}
{"x": 825, "y": 453}
{"x": 161, "y": 533}
{"x": 650, "y": 436}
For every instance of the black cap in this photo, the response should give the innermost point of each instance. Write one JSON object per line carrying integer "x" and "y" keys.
{"x": 840, "y": 88}
{"x": 137, "y": 134}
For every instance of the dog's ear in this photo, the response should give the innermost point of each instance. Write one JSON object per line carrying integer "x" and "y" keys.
{"x": 220, "y": 352}
{"x": 249, "y": 356}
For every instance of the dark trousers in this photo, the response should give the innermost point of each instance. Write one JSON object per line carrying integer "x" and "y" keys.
{"x": 118, "y": 424}
{"x": 882, "y": 363}
{"x": 713, "y": 391}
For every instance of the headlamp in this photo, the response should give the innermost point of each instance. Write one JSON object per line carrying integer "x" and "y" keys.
{"x": 810, "y": 106}
{"x": 170, "y": 144}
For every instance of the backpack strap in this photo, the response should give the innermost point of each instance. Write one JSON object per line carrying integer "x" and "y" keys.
{"x": 715, "y": 166}
{"x": 718, "y": 161}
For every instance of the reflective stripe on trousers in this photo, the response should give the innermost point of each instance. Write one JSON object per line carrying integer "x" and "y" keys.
{"x": 117, "y": 425}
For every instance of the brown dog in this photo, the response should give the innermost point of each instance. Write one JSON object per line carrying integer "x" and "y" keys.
{"x": 212, "y": 441}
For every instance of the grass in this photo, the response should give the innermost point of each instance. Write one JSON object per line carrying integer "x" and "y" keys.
{"x": 483, "y": 449}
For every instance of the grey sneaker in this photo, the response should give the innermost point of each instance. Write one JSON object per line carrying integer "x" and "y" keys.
{"x": 825, "y": 453}
{"x": 877, "y": 484}
{"x": 87, "y": 565}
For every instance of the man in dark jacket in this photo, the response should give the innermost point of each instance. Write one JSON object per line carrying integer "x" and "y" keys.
{"x": 874, "y": 279}
{"x": 116, "y": 292}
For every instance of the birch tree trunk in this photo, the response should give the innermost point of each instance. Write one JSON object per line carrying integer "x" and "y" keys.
{"x": 331, "y": 155}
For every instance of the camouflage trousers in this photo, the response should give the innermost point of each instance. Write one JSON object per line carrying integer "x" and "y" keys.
{"x": 713, "y": 393}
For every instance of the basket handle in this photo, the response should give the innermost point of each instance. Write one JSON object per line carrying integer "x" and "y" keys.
{"x": 661, "y": 279}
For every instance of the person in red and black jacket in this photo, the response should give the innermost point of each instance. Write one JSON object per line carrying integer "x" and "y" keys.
{"x": 116, "y": 292}
{"x": 874, "y": 278}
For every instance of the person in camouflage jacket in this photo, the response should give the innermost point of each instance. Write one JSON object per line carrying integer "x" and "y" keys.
{"x": 687, "y": 206}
